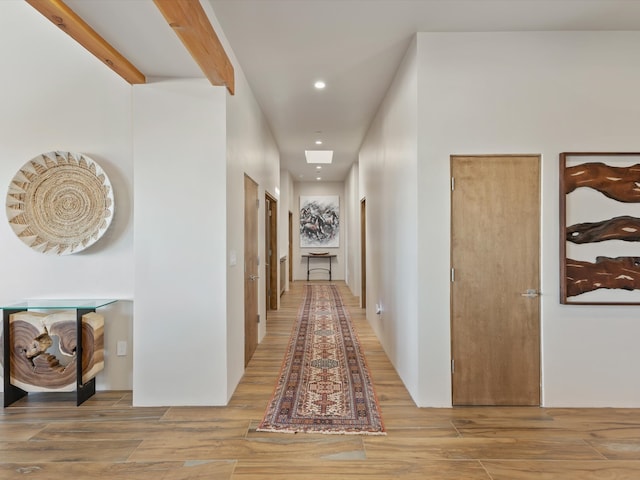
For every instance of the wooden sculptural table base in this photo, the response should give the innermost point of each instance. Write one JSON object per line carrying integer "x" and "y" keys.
{"x": 74, "y": 331}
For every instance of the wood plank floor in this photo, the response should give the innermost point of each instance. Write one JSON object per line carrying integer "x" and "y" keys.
{"x": 46, "y": 436}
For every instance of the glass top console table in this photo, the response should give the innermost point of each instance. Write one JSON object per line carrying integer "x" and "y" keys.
{"x": 84, "y": 390}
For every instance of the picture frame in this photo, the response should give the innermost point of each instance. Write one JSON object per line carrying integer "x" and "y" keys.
{"x": 319, "y": 221}
{"x": 600, "y": 228}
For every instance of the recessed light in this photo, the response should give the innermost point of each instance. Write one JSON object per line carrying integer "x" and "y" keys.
{"x": 319, "y": 167}
{"x": 318, "y": 142}
{"x": 319, "y": 84}
{"x": 318, "y": 178}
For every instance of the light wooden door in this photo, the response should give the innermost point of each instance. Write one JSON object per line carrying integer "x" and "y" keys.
{"x": 495, "y": 252}
{"x": 251, "y": 263}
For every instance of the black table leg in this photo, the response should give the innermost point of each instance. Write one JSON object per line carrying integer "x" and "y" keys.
{"x": 84, "y": 391}
{"x": 11, "y": 392}
{"x": 308, "y": 268}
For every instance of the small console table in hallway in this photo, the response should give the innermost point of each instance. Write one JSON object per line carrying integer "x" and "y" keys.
{"x": 28, "y": 337}
{"x": 321, "y": 257}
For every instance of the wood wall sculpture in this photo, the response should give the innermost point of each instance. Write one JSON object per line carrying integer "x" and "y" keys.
{"x": 600, "y": 228}
{"x": 43, "y": 351}
{"x": 619, "y": 183}
{"x": 619, "y": 228}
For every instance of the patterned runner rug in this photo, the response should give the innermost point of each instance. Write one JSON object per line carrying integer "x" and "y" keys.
{"x": 324, "y": 384}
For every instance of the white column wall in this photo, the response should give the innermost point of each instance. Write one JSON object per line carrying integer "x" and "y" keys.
{"x": 180, "y": 310}
{"x": 57, "y": 96}
{"x": 250, "y": 149}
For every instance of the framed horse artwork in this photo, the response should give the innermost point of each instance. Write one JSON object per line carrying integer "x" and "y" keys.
{"x": 319, "y": 221}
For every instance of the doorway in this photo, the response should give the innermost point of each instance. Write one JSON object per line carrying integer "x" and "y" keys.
{"x": 495, "y": 278}
{"x": 271, "y": 251}
{"x": 290, "y": 247}
{"x": 251, "y": 264}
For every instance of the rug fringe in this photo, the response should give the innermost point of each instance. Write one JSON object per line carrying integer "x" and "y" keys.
{"x": 321, "y": 432}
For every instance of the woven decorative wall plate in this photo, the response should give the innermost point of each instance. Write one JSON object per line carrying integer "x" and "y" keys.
{"x": 60, "y": 203}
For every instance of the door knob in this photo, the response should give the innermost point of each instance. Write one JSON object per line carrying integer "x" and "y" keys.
{"x": 530, "y": 293}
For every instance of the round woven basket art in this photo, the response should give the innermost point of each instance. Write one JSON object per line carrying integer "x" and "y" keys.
{"x": 60, "y": 203}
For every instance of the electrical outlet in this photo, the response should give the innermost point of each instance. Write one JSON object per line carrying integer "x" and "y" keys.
{"x": 121, "y": 348}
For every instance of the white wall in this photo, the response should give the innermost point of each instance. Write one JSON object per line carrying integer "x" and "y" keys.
{"x": 388, "y": 169}
{"x": 251, "y": 150}
{"x": 479, "y": 93}
{"x": 286, "y": 206}
{"x": 180, "y": 247}
{"x": 57, "y": 96}
{"x": 299, "y": 263}
{"x": 539, "y": 93}
{"x": 352, "y": 220}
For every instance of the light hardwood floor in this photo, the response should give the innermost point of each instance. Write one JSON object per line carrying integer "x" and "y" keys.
{"x": 47, "y": 437}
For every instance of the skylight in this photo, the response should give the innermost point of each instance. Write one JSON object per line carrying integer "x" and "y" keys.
{"x": 319, "y": 156}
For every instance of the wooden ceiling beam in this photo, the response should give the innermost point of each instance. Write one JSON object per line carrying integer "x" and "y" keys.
{"x": 189, "y": 21}
{"x": 70, "y": 23}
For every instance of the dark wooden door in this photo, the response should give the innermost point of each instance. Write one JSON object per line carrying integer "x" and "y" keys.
{"x": 271, "y": 252}
{"x": 363, "y": 253}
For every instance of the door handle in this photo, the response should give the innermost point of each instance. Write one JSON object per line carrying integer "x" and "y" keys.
{"x": 253, "y": 277}
{"x": 531, "y": 293}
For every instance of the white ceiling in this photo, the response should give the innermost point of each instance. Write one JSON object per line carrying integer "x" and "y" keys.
{"x": 355, "y": 46}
